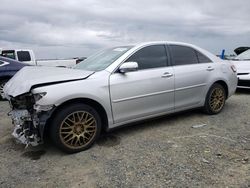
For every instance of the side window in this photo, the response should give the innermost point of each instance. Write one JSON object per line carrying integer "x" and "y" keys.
{"x": 23, "y": 56}
{"x": 183, "y": 55}
{"x": 9, "y": 54}
{"x": 202, "y": 58}
{"x": 150, "y": 57}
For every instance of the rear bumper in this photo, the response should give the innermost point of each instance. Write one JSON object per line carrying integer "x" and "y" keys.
{"x": 243, "y": 81}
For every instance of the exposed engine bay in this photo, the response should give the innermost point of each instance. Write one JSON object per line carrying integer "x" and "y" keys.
{"x": 28, "y": 119}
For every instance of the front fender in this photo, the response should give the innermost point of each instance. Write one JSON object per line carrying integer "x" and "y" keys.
{"x": 96, "y": 90}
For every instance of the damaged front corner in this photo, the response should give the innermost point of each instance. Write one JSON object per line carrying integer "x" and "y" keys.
{"x": 24, "y": 131}
{"x": 29, "y": 119}
{"x": 41, "y": 108}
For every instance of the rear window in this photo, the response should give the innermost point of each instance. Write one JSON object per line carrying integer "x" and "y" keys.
{"x": 183, "y": 55}
{"x": 23, "y": 56}
{"x": 202, "y": 58}
{"x": 8, "y": 54}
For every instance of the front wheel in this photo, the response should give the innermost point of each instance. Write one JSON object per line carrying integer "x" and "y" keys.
{"x": 75, "y": 128}
{"x": 215, "y": 99}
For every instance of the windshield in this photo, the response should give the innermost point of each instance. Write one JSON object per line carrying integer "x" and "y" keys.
{"x": 243, "y": 56}
{"x": 102, "y": 59}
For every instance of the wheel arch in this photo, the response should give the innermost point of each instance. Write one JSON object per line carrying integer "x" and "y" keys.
{"x": 97, "y": 106}
{"x": 224, "y": 85}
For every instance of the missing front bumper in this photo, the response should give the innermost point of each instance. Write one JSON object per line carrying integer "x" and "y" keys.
{"x": 25, "y": 127}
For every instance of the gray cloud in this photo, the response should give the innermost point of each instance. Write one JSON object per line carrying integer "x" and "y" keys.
{"x": 77, "y": 28}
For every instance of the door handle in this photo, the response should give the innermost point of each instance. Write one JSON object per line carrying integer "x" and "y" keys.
{"x": 167, "y": 75}
{"x": 210, "y": 68}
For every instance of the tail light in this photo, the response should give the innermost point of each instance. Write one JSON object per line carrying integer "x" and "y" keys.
{"x": 233, "y": 68}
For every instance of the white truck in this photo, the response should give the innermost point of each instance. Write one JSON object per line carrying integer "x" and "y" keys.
{"x": 28, "y": 56}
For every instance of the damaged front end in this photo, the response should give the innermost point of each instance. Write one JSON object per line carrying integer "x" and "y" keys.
{"x": 29, "y": 119}
{"x": 30, "y": 115}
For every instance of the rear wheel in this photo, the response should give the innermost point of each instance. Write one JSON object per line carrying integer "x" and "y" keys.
{"x": 215, "y": 99}
{"x": 75, "y": 128}
{"x": 2, "y": 83}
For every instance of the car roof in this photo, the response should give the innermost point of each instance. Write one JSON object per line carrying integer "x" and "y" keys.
{"x": 138, "y": 46}
{"x": 202, "y": 50}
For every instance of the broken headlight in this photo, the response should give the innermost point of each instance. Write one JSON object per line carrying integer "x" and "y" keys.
{"x": 39, "y": 107}
{"x": 38, "y": 96}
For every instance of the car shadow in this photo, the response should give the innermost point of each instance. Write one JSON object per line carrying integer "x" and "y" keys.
{"x": 113, "y": 137}
{"x": 157, "y": 122}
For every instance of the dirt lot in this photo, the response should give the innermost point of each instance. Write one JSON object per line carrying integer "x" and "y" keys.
{"x": 167, "y": 152}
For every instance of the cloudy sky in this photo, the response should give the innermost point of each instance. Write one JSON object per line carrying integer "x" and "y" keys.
{"x": 70, "y": 28}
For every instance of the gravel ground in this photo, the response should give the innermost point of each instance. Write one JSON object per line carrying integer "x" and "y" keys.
{"x": 165, "y": 152}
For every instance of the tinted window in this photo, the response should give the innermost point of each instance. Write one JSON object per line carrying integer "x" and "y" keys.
{"x": 8, "y": 53}
{"x": 202, "y": 58}
{"x": 183, "y": 55}
{"x": 23, "y": 56}
{"x": 150, "y": 57}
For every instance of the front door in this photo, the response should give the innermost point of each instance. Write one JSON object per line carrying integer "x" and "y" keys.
{"x": 147, "y": 91}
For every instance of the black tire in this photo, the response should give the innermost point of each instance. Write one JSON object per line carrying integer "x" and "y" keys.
{"x": 2, "y": 83}
{"x": 75, "y": 120}
{"x": 215, "y": 99}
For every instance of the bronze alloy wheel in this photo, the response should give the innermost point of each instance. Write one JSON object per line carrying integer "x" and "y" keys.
{"x": 217, "y": 99}
{"x": 78, "y": 129}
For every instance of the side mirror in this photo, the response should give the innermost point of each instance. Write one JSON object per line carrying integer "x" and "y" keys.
{"x": 128, "y": 67}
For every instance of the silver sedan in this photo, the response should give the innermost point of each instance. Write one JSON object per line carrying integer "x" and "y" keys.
{"x": 114, "y": 87}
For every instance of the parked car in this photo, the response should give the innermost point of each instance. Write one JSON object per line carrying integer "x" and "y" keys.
{"x": 28, "y": 56}
{"x": 114, "y": 87}
{"x": 242, "y": 64}
{"x": 8, "y": 67}
{"x": 241, "y": 49}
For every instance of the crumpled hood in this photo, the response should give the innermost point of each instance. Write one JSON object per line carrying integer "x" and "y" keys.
{"x": 242, "y": 66}
{"x": 29, "y": 77}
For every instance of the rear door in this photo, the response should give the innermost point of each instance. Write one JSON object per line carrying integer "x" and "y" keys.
{"x": 148, "y": 91}
{"x": 192, "y": 74}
